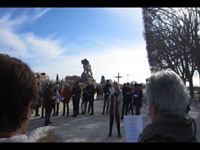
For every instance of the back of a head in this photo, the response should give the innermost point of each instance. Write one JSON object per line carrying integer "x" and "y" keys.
{"x": 167, "y": 92}
{"x": 18, "y": 89}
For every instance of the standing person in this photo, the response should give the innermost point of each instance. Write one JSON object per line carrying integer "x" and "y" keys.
{"x": 67, "y": 95}
{"x": 76, "y": 93}
{"x": 91, "y": 98}
{"x": 106, "y": 96}
{"x": 79, "y": 96}
{"x": 115, "y": 107}
{"x": 99, "y": 91}
{"x": 54, "y": 104}
{"x": 41, "y": 94}
{"x": 125, "y": 102}
{"x": 168, "y": 99}
{"x": 38, "y": 103}
{"x": 138, "y": 94}
{"x": 18, "y": 93}
{"x": 129, "y": 99}
{"x": 48, "y": 103}
{"x": 57, "y": 99}
{"x": 88, "y": 96}
{"x": 84, "y": 101}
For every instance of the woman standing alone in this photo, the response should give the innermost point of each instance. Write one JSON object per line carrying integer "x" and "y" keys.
{"x": 115, "y": 107}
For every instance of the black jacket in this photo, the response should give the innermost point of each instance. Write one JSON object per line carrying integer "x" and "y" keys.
{"x": 173, "y": 130}
{"x": 106, "y": 90}
{"x": 76, "y": 92}
{"x": 85, "y": 97}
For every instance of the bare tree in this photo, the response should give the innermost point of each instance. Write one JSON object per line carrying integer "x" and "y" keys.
{"x": 171, "y": 37}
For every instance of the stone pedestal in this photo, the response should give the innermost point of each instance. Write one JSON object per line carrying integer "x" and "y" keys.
{"x": 87, "y": 79}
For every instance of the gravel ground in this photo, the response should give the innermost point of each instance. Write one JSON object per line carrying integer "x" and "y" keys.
{"x": 84, "y": 128}
{"x": 95, "y": 128}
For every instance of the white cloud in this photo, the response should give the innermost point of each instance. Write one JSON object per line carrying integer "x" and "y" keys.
{"x": 39, "y": 12}
{"x": 8, "y": 24}
{"x": 44, "y": 48}
{"x": 26, "y": 45}
{"x": 12, "y": 44}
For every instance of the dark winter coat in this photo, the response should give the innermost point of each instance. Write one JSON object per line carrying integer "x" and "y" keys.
{"x": 106, "y": 90}
{"x": 128, "y": 94}
{"x": 76, "y": 92}
{"x": 85, "y": 96}
{"x": 48, "y": 100}
{"x": 91, "y": 93}
{"x": 124, "y": 92}
{"x": 137, "y": 96}
{"x": 173, "y": 130}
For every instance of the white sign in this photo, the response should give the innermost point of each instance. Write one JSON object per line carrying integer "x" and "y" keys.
{"x": 133, "y": 127}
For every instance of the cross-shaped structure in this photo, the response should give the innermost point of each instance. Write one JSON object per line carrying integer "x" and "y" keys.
{"x": 118, "y": 77}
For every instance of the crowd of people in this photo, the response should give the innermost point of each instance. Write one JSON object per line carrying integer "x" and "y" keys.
{"x": 50, "y": 98}
{"x": 132, "y": 98}
{"x": 129, "y": 97}
{"x": 166, "y": 93}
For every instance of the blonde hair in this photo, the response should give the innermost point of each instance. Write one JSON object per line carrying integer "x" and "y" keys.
{"x": 116, "y": 85}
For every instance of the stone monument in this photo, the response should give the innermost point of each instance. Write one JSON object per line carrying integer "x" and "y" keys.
{"x": 86, "y": 76}
{"x": 103, "y": 81}
{"x": 71, "y": 80}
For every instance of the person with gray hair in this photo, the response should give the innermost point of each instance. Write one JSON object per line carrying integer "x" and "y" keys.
{"x": 168, "y": 100}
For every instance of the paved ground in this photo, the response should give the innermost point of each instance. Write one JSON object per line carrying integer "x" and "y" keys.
{"x": 86, "y": 128}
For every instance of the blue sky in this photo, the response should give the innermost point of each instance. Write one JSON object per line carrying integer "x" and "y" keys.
{"x": 55, "y": 40}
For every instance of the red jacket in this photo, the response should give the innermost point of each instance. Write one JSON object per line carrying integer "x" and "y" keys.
{"x": 66, "y": 94}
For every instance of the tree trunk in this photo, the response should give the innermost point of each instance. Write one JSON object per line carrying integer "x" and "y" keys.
{"x": 184, "y": 81}
{"x": 191, "y": 87}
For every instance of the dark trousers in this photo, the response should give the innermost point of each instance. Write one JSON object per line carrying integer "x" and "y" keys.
{"x": 78, "y": 104}
{"x": 123, "y": 108}
{"x": 75, "y": 105}
{"x": 106, "y": 102}
{"x": 42, "y": 111}
{"x": 111, "y": 124}
{"x": 91, "y": 105}
{"x": 65, "y": 103}
{"x": 126, "y": 105}
{"x": 131, "y": 106}
{"x": 56, "y": 109}
{"x": 137, "y": 109}
{"x": 36, "y": 111}
{"x": 47, "y": 117}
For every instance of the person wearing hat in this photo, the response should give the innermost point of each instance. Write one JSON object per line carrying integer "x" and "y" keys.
{"x": 66, "y": 93}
